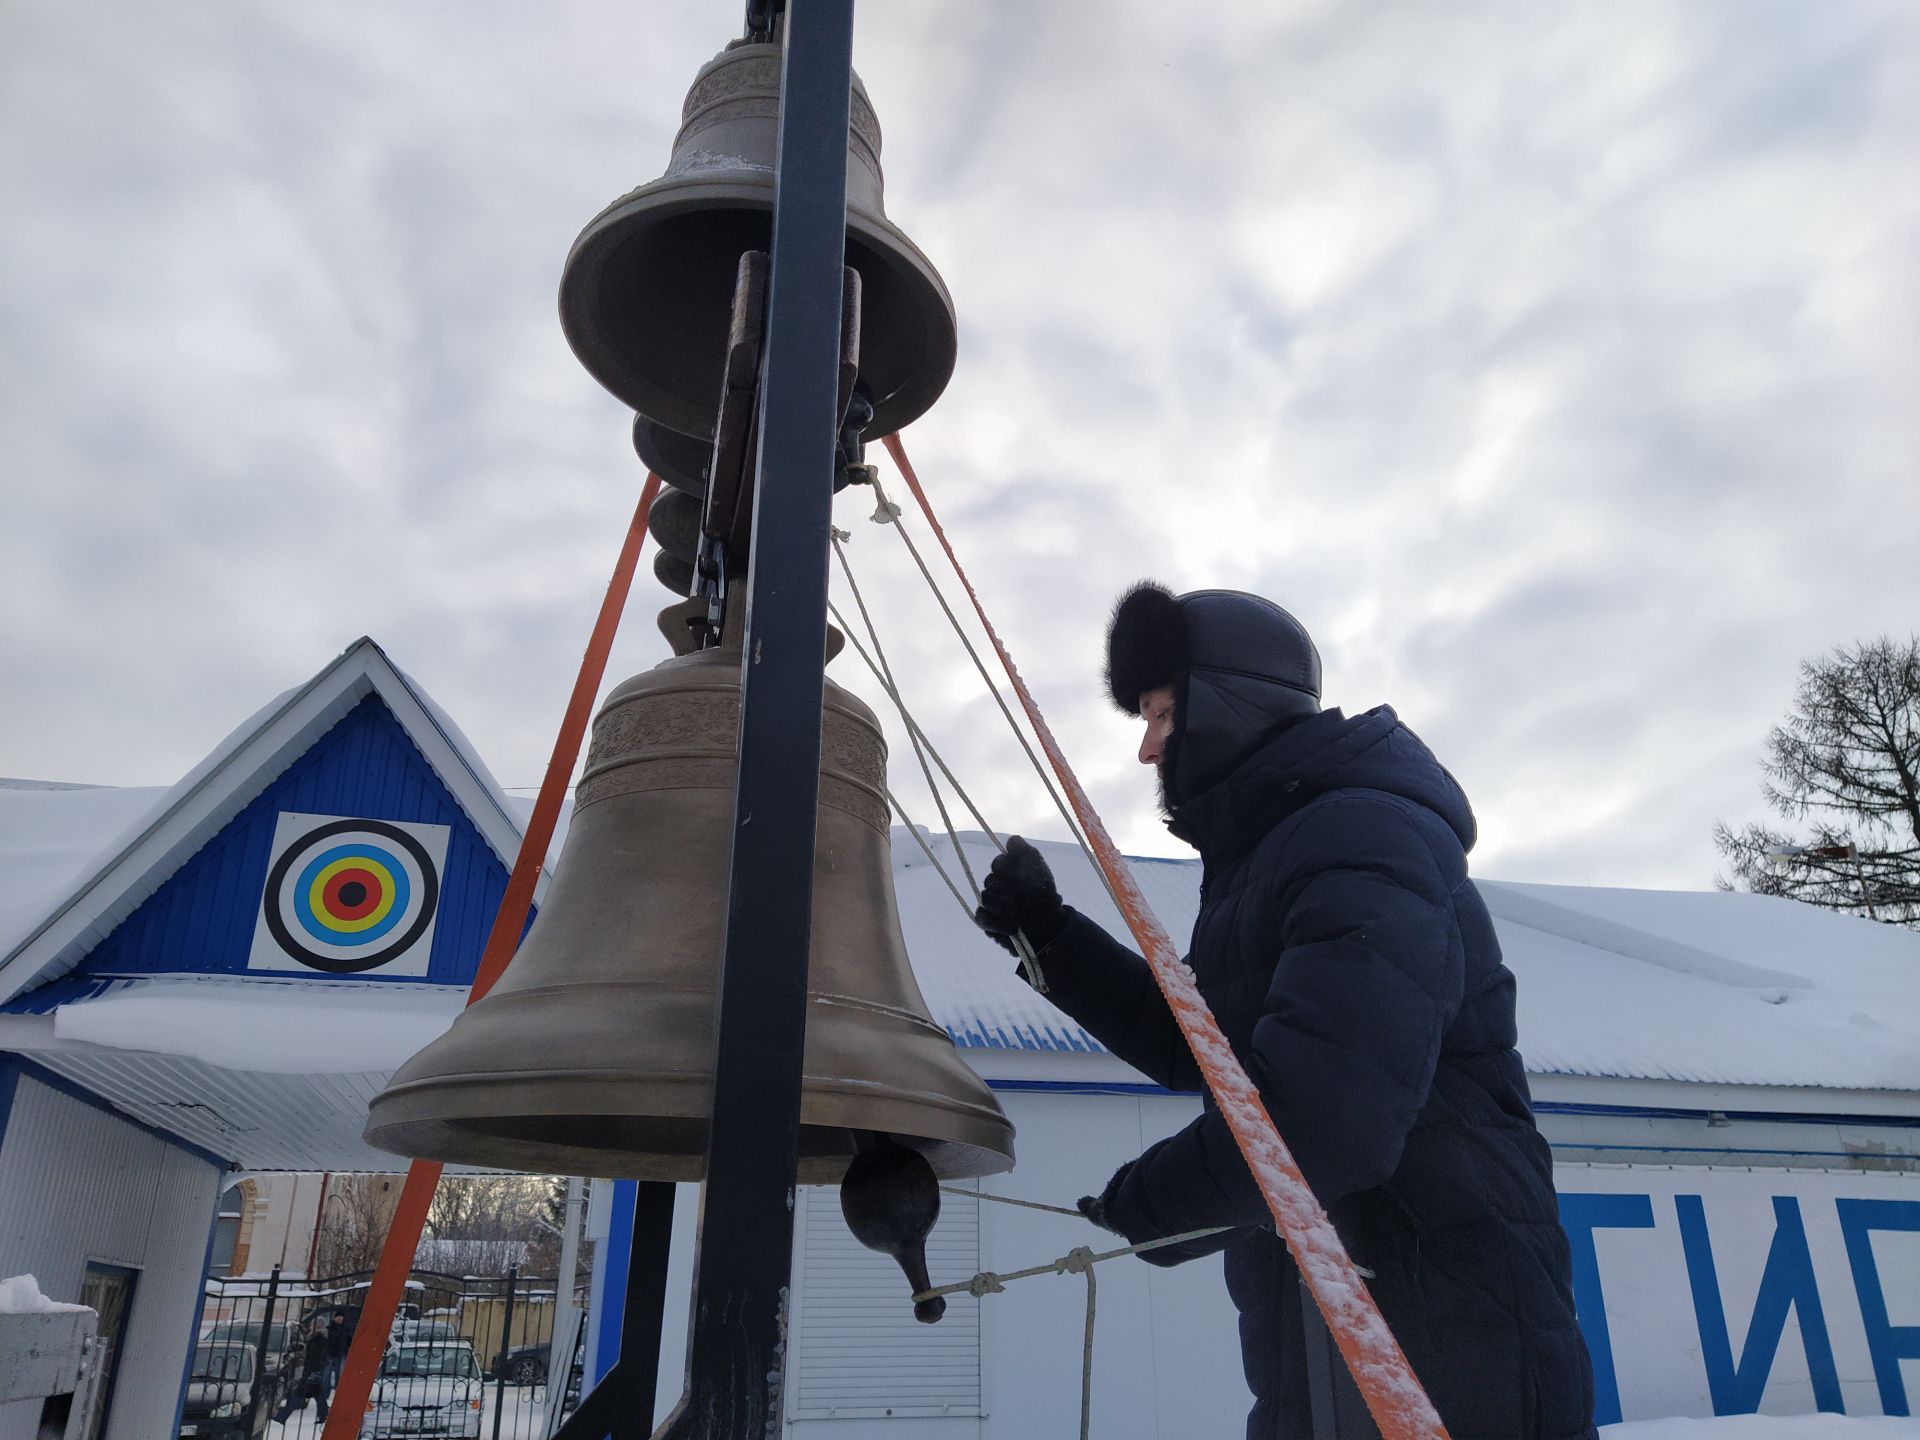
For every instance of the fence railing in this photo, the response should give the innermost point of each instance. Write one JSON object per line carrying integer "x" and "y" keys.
{"x": 470, "y": 1356}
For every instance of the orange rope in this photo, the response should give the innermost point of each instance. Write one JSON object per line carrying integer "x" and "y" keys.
{"x": 416, "y": 1196}
{"x": 1393, "y": 1394}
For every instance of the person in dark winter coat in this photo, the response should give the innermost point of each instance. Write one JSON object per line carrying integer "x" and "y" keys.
{"x": 311, "y": 1383}
{"x": 1354, "y": 969}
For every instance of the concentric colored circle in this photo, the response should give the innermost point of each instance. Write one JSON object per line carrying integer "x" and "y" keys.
{"x": 351, "y": 895}
{"x": 380, "y": 876}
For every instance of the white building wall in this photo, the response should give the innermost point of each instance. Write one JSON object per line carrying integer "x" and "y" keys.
{"x": 286, "y": 1207}
{"x": 1166, "y": 1349}
{"x": 78, "y": 1184}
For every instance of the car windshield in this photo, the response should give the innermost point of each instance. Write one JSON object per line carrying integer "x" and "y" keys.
{"x": 219, "y": 1362}
{"x": 430, "y": 1360}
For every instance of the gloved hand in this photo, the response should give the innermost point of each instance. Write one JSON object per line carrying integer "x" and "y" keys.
{"x": 1019, "y": 894}
{"x": 1096, "y": 1208}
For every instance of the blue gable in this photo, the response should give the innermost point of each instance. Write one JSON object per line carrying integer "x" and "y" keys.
{"x": 202, "y": 920}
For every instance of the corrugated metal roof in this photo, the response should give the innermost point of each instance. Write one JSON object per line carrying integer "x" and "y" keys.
{"x": 1693, "y": 986}
{"x": 55, "y": 915}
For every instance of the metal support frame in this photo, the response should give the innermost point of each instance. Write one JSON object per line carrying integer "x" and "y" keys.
{"x": 736, "y": 1354}
{"x": 736, "y": 1362}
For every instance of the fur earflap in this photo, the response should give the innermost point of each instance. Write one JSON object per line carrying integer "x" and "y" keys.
{"x": 1146, "y": 644}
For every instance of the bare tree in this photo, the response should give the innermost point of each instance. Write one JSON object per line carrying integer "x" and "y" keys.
{"x": 1845, "y": 764}
{"x": 483, "y": 1223}
{"x": 353, "y": 1226}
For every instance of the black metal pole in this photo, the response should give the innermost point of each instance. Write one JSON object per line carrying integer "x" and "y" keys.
{"x": 644, "y": 1319}
{"x": 736, "y": 1363}
{"x": 506, "y": 1348}
{"x": 620, "y": 1407}
{"x": 255, "y": 1399}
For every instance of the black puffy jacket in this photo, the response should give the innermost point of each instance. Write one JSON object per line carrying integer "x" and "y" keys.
{"x": 1354, "y": 969}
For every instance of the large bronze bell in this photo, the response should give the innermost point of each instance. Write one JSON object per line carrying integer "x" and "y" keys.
{"x": 647, "y": 292}
{"x": 594, "y": 1053}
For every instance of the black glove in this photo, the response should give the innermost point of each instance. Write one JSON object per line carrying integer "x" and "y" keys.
{"x": 1096, "y": 1208}
{"x": 1019, "y": 895}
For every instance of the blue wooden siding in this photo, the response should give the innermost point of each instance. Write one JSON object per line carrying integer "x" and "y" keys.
{"x": 202, "y": 919}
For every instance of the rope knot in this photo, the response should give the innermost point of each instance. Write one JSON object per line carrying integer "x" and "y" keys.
{"x": 1077, "y": 1261}
{"x": 985, "y": 1283}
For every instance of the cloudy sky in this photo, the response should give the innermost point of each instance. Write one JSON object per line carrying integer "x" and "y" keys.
{"x": 1555, "y": 364}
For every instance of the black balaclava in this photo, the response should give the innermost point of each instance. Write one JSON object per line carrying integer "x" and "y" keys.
{"x": 1241, "y": 668}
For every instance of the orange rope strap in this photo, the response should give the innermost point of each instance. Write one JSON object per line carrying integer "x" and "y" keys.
{"x": 1393, "y": 1394}
{"x": 416, "y": 1196}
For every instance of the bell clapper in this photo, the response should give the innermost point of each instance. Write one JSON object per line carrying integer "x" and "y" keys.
{"x": 891, "y": 1199}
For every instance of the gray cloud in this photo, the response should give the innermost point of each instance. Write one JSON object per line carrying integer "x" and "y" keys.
{"x": 1555, "y": 365}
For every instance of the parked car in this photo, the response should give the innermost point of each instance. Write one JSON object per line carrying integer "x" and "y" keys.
{"x": 244, "y": 1332}
{"x": 220, "y": 1400}
{"x": 522, "y": 1365}
{"x": 420, "y": 1331}
{"x": 425, "y": 1388}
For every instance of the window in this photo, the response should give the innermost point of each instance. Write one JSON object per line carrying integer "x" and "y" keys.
{"x": 858, "y": 1350}
{"x": 226, "y": 1231}
{"x": 109, "y": 1290}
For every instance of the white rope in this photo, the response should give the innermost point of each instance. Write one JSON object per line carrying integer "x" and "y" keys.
{"x": 1022, "y": 947}
{"x": 927, "y": 850}
{"x": 888, "y": 513}
{"x": 893, "y": 690}
{"x": 915, "y": 727}
{"x": 1011, "y": 1200}
{"x": 1078, "y": 1261}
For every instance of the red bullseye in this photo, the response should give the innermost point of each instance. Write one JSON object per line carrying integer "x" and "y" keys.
{"x": 352, "y": 894}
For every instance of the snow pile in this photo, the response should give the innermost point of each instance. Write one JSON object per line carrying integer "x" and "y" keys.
{"x": 294, "y": 1027}
{"x": 1762, "y": 1427}
{"x": 20, "y": 1295}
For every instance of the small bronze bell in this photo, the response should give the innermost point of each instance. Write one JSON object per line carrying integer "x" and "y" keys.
{"x": 594, "y": 1053}
{"x": 678, "y": 459}
{"x": 647, "y": 292}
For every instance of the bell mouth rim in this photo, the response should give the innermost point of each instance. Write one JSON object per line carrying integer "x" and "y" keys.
{"x": 672, "y": 196}
{"x": 448, "y": 1134}
{"x": 679, "y": 194}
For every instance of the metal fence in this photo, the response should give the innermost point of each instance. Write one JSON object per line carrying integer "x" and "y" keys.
{"x": 469, "y": 1356}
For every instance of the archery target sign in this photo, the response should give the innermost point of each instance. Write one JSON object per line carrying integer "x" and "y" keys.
{"x": 349, "y": 896}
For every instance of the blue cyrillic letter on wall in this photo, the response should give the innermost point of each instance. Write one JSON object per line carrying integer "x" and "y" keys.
{"x": 1787, "y": 1283}
{"x": 1580, "y": 1216}
{"x": 1887, "y": 1343}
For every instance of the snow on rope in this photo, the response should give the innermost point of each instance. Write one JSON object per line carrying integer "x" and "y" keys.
{"x": 1398, "y": 1404}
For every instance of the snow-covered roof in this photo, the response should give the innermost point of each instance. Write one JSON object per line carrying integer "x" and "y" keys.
{"x": 75, "y": 861}
{"x": 1695, "y": 988}
{"x": 1686, "y": 986}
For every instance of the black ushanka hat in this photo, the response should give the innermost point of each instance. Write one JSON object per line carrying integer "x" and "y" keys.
{"x": 1242, "y": 667}
{"x": 1146, "y": 644}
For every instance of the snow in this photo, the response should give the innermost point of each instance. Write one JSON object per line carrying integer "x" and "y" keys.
{"x": 50, "y": 839}
{"x": 522, "y": 1411}
{"x": 1763, "y": 1427}
{"x": 279, "y": 1027}
{"x": 59, "y": 842}
{"x": 1670, "y": 985}
{"x": 522, "y": 1418}
{"x": 20, "y": 1295}
{"x": 1666, "y": 985}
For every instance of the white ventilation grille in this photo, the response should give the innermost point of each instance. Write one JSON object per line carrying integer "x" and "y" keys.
{"x": 858, "y": 1350}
